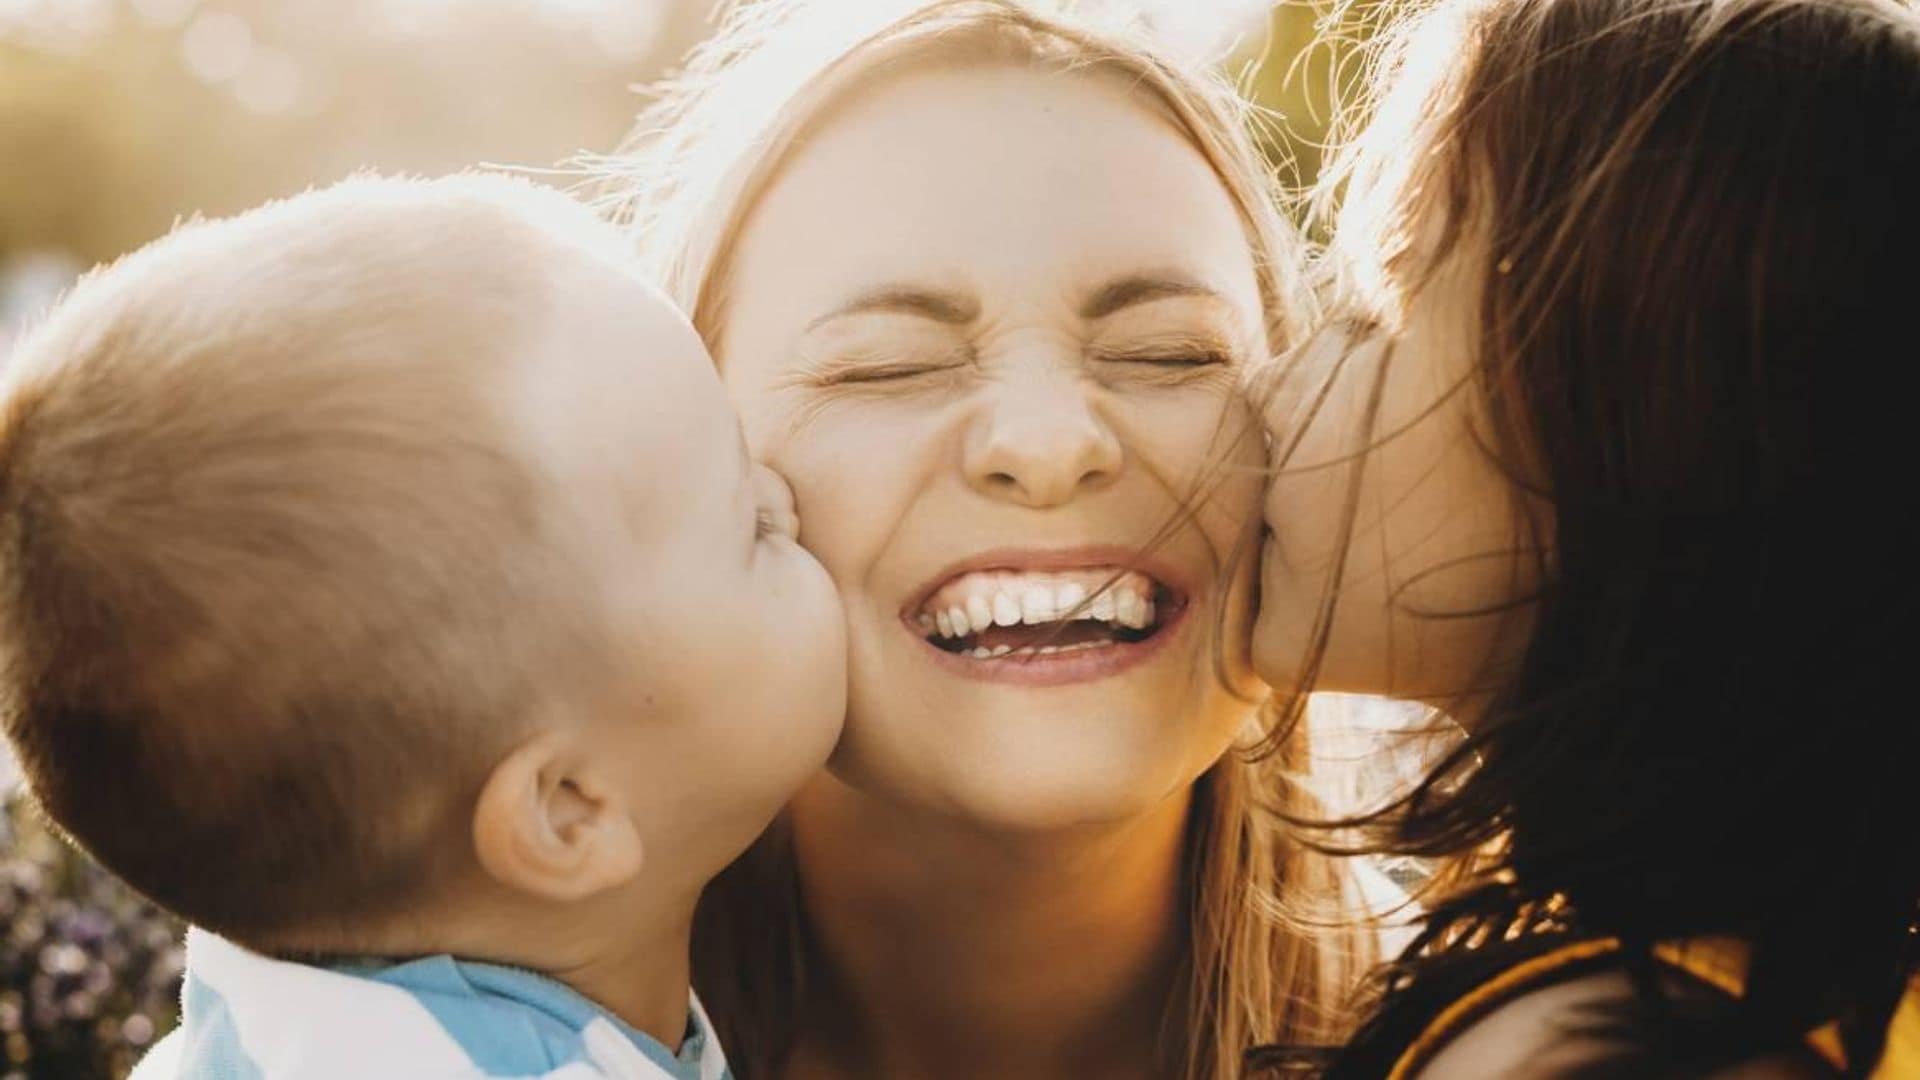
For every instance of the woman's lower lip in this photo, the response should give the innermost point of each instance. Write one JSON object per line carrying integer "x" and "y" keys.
{"x": 1056, "y": 669}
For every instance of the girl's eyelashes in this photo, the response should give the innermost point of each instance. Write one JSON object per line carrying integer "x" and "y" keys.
{"x": 763, "y": 524}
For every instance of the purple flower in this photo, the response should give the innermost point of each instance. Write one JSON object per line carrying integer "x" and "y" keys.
{"x": 89, "y": 971}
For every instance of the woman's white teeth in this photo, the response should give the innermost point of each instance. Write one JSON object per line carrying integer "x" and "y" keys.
{"x": 1036, "y": 605}
{"x": 979, "y": 601}
{"x": 981, "y": 652}
{"x": 979, "y": 611}
{"x": 1006, "y": 610}
{"x": 1104, "y": 607}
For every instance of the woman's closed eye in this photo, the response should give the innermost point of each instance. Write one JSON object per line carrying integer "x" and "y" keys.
{"x": 1170, "y": 359}
{"x": 884, "y": 372}
{"x": 878, "y": 369}
{"x": 1167, "y": 362}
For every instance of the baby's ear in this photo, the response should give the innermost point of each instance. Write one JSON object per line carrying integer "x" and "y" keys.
{"x": 548, "y": 823}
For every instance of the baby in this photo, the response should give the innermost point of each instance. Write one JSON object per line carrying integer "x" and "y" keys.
{"x": 388, "y": 592}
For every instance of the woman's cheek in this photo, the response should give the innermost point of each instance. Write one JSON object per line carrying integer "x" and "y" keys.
{"x": 854, "y": 477}
{"x": 1203, "y": 446}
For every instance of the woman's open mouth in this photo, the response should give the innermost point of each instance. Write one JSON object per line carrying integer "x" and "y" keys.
{"x": 1046, "y": 626}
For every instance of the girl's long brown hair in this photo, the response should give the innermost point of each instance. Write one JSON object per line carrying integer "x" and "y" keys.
{"x": 1692, "y": 225}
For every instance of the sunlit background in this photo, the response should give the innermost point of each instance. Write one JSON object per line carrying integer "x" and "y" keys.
{"x": 117, "y": 117}
{"x": 120, "y": 117}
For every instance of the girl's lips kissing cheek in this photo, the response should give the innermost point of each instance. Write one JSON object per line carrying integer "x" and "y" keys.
{"x": 1045, "y": 619}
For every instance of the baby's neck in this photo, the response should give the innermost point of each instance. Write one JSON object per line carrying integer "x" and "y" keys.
{"x": 635, "y": 967}
{"x": 626, "y": 951}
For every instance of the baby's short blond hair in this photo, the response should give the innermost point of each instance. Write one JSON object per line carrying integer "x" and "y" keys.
{"x": 277, "y": 586}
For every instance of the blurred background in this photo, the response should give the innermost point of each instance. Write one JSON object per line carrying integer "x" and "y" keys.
{"x": 119, "y": 117}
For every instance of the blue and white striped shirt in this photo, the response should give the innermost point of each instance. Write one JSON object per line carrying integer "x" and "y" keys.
{"x": 250, "y": 1017}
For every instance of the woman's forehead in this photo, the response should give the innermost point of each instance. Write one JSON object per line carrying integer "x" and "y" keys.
{"x": 990, "y": 178}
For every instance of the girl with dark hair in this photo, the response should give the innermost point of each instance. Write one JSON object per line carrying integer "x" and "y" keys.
{"x": 1607, "y": 464}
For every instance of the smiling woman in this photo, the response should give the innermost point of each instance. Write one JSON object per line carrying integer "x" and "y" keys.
{"x": 982, "y": 281}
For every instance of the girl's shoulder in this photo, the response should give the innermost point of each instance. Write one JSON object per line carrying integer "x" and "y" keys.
{"x": 1569, "y": 1008}
{"x": 1539, "y": 1032}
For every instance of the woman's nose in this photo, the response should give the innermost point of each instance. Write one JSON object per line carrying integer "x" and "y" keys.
{"x": 1040, "y": 443}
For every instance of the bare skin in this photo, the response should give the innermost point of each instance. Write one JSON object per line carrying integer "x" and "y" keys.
{"x": 956, "y": 367}
{"x": 595, "y": 836}
{"x": 636, "y": 780}
{"x": 894, "y": 899}
{"x": 1436, "y": 531}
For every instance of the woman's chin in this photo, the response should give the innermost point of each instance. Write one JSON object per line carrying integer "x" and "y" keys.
{"x": 1036, "y": 805}
{"x": 1037, "y": 772}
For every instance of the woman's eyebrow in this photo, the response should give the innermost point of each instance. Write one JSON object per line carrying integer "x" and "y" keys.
{"x": 1130, "y": 289}
{"x": 940, "y": 305}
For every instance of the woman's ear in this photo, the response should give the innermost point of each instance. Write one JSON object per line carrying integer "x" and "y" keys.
{"x": 549, "y": 825}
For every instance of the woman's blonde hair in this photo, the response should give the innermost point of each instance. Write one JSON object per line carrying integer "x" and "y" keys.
{"x": 1256, "y": 970}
